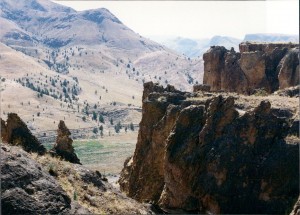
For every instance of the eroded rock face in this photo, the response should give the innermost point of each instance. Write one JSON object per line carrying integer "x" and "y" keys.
{"x": 289, "y": 73}
{"x": 16, "y": 132}
{"x": 26, "y": 189}
{"x": 203, "y": 155}
{"x": 63, "y": 146}
{"x": 267, "y": 66}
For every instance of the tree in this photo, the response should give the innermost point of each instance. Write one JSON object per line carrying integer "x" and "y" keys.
{"x": 84, "y": 118}
{"x": 111, "y": 121}
{"x": 118, "y": 127}
{"x": 101, "y": 119}
{"x": 131, "y": 126}
{"x": 94, "y": 117}
{"x": 95, "y": 130}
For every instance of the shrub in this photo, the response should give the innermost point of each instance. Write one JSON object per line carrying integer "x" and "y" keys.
{"x": 95, "y": 130}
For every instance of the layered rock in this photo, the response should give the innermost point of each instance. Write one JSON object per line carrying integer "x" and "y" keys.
{"x": 267, "y": 66}
{"x": 63, "y": 146}
{"x": 16, "y": 132}
{"x": 203, "y": 155}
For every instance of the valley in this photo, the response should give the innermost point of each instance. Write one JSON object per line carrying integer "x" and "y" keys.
{"x": 98, "y": 119}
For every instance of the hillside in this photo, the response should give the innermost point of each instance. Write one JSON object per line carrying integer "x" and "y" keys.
{"x": 69, "y": 64}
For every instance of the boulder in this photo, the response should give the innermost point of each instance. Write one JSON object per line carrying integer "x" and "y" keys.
{"x": 26, "y": 189}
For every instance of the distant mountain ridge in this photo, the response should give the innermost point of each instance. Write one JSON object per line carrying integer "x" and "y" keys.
{"x": 197, "y": 47}
{"x": 272, "y": 38}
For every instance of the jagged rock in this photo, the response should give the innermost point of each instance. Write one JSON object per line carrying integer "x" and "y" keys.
{"x": 204, "y": 156}
{"x": 63, "y": 146}
{"x": 16, "y": 132}
{"x": 26, "y": 189}
{"x": 258, "y": 65}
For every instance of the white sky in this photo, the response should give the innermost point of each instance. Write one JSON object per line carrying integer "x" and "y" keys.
{"x": 201, "y": 19}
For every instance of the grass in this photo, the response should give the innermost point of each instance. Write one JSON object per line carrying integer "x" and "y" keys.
{"x": 106, "y": 156}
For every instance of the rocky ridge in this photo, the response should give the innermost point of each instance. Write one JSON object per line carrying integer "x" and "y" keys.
{"x": 36, "y": 182}
{"x": 270, "y": 66}
{"x": 206, "y": 153}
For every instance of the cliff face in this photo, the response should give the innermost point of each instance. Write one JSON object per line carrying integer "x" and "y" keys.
{"x": 269, "y": 66}
{"x": 204, "y": 154}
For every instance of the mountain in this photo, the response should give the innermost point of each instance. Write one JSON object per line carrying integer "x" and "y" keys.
{"x": 80, "y": 62}
{"x": 197, "y": 47}
{"x": 272, "y": 38}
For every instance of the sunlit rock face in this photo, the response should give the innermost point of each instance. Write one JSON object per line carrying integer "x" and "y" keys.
{"x": 268, "y": 66}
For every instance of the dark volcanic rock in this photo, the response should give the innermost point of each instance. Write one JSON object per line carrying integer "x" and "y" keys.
{"x": 26, "y": 189}
{"x": 206, "y": 157}
{"x": 15, "y": 132}
{"x": 63, "y": 146}
{"x": 258, "y": 65}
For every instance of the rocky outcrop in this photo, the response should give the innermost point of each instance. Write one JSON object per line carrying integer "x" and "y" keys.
{"x": 26, "y": 189}
{"x": 289, "y": 73}
{"x": 205, "y": 155}
{"x": 16, "y": 132}
{"x": 63, "y": 146}
{"x": 258, "y": 65}
{"x": 28, "y": 186}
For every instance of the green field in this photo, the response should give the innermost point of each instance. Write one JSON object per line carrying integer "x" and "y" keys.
{"x": 107, "y": 157}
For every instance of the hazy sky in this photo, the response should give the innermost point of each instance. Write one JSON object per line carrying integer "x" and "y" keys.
{"x": 201, "y": 19}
